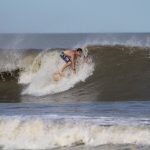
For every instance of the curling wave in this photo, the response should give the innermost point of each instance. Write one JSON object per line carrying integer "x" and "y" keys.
{"x": 111, "y": 72}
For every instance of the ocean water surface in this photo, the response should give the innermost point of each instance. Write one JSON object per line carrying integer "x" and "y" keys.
{"x": 105, "y": 106}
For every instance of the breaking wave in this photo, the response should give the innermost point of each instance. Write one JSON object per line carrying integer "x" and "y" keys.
{"x": 106, "y": 74}
{"x": 45, "y": 133}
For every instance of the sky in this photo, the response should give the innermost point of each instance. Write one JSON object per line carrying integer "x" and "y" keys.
{"x": 74, "y": 16}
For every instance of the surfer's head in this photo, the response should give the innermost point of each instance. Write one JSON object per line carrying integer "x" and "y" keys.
{"x": 79, "y": 51}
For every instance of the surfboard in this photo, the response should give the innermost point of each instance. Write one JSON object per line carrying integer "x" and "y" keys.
{"x": 56, "y": 76}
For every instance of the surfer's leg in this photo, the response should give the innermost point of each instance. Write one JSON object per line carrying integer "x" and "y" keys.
{"x": 65, "y": 66}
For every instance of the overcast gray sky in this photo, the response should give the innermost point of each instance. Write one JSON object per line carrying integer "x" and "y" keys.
{"x": 55, "y": 16}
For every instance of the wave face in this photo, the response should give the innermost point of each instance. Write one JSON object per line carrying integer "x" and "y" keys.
{"x": 46, "y": 132}
{"x": 122, "y": 72}
{"x": 111, "y": 72}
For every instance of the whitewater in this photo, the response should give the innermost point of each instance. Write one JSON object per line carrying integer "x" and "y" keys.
{"x": 46, "y": 132}
{"x": 39, "y": 75}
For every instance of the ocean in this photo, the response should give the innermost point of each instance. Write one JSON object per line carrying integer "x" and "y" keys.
{"x": 105, "y": 106}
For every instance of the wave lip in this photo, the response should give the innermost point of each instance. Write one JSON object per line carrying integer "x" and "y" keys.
{"x": 45, "y": 133}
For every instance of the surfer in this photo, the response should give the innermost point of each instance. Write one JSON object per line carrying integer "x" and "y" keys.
{"x": 69, "y": 56}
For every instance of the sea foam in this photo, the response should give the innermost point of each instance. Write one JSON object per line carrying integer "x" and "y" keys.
{"x": 43, "y": 133}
